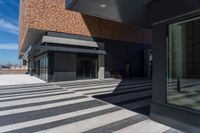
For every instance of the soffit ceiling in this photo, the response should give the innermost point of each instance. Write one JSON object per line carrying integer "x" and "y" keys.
{"x": 125, "y": 11}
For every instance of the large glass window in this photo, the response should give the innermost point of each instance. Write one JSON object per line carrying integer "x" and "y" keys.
{"x": 183, "y": 86}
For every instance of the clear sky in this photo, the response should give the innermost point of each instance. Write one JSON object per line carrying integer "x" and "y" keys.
{"x": 9, "y": 13}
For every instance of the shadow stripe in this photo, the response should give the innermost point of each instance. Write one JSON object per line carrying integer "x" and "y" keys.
{"x": 109, "y": 83}
{"x": 117, "y": 93}
{"x": 133, "y": 89}
{"x": 23, "y": 86}
{"x": 110, "y": 92}
{"x": 28, "y": 89}
{"x": 103, "y": 82}
{"x": 28, "y": 93}
{"x": 42, "y": 103}
{"x": 126, "y": 97}
{"x": 115, "y": 126}
{"x": 23, "y": 98}
{"x": 33, "y": 93}
{"x": 116, "y": 87}
{"x": 133, "y": 100}
{"x": 44, "y": 113}
{"x": 64, "y": 121}
{"x": 85, "y": 84}
{"x": 21, "y": 92}
{"x": 89, "y": 81}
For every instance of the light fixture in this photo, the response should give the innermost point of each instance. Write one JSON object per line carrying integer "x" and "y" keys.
{"x": 103, "y": 5}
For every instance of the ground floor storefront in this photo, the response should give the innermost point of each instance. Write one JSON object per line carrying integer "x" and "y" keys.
{"x": 61, "y": 66}
{"x": 89, "y": 59}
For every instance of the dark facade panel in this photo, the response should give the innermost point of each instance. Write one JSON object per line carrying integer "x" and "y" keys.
{"x": 172, "y": 117}
{"x": 119, "y": 54}
{"x": 65, "y": 62}
{"x": 165, "y": 12}
{"x": 64, "y": 66}
{"x": 159, "y": 57}
{"x": 168, "y": 9}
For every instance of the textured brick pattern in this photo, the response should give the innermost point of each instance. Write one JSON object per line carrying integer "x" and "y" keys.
{"x": 23, "y": 21}
{"x": 51, "y": 15}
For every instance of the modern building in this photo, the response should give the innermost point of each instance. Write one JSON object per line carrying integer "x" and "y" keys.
{"x": 175, "y": 26}
{"x": 61, "y": 45}
{"x": 81, "y": 39}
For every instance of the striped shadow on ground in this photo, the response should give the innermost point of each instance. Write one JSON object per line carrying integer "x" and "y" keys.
{"x": 73, "y": 108}
{"x": 62, "y": 122}
{"x": 33, "y": 115}
{"x": 115, "y": 126}
{"x": 131, "y": 94}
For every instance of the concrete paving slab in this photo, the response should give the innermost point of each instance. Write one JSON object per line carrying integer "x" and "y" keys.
{"x": 18, "y": 79}
{"x": 48, "y": 107}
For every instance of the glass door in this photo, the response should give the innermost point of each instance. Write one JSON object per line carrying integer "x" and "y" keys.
{"x": 86, "y": 67}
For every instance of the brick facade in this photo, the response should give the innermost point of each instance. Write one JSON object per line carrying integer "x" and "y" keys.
{"x": 51, "y": 15}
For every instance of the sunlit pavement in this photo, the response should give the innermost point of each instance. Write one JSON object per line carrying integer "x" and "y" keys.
{"x": 18, "y": 79}
{"x": 82, "y": 106}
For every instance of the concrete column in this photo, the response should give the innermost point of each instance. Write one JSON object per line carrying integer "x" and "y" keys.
{"x": 101, "y": 63}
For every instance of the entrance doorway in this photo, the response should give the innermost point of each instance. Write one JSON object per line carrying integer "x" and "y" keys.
{"x": 87, "y": 67}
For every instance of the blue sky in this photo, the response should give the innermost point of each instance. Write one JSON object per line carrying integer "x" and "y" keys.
{"x": 9, "y": 13}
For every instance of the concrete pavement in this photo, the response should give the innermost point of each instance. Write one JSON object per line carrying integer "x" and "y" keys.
{"x": 71, "y": 107}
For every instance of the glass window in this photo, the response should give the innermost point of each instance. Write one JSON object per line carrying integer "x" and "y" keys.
{"x": 43, "y": 69}
{"x": 183, "y": 71}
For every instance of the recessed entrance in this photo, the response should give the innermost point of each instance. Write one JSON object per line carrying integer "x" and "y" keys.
{"x": 87, "y": 66}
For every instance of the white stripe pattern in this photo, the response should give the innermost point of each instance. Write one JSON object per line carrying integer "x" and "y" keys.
{"x": 81, "y": 112}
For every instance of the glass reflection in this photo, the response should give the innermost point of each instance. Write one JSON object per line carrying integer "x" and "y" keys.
{"x": 183, "y": 86}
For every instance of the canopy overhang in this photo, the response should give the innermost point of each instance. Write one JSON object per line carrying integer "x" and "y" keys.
{"x": 125, "y": 11}
{"x": 144, "y": 13}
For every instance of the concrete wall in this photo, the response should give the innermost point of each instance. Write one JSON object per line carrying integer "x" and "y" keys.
{"x": 64, "y": 66}
{"x": 51, "y": 15}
